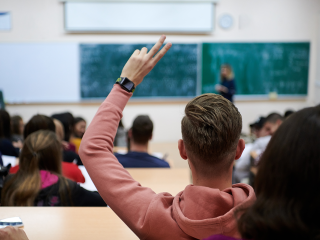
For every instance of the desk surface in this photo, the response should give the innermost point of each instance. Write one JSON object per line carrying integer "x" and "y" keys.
{"x": 67, "y": 223}
{"x": 158, "y": 179}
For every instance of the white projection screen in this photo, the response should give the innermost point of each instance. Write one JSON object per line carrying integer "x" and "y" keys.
{"x": 177, "y": 17}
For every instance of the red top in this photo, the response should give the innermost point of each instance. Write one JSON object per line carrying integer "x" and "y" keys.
{"x": 69, "y": 170}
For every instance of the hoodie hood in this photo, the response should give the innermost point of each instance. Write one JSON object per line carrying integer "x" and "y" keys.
{"x": 202, "y": 211}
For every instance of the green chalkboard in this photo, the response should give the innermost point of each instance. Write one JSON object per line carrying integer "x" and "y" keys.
{"x": 259, "y": 68}
{"x": 175, "y": 75}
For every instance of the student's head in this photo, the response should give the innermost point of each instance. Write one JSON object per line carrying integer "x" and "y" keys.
{"x": 141, "y": 130}
{"x": 38, "y": 122}
{"x": 41, "y": 151}
{"x": 257, "y": 128}
{"x": 5, "y": 124}
{"x": 79, "y": 127}
{"x": 17, "y": 125}
{"x": 67, "y": 121}
{"x": 287, "y": 183}
{"x": 226, "y": 72}
{"x": 272, "y": 123}
{"x": 211, "y": 131}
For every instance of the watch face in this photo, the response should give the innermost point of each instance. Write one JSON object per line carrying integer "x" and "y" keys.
{"x": 127, "y": 84}
{"x": 226, "y": 21}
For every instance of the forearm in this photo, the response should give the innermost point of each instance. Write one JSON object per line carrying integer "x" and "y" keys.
{"x": 127, "y": 198}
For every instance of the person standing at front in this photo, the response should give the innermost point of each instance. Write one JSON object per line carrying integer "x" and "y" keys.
{"x": 227, "y": 86}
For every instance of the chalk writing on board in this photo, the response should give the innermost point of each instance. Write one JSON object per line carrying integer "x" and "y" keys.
{"x": 259, "y": 68}
{"x": 175, "y": 75}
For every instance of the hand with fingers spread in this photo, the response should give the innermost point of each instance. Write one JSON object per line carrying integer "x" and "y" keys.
{"x": 142, "y": 62}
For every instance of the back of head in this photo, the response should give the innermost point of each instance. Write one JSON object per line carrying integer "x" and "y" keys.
{"x": 272, "y": 123}
{"x": 38, "y": 122}
{"x": 67, "y": 121}
{"x": 41, "y": 151}
{"x": 142, "y": 128}
{"x": 274, "y": 117}
{"x": 211, "y": 130}
{"x": 15, "y": 125}
{"x": 287, "y": 199}
{"x": 5, "y": 124}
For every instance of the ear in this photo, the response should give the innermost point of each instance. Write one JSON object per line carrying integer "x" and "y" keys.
{"x": 279, "y": 122}
{"x": 182, "y": 149}
{"x": 241, "y": 146}
{"x": 130, "y": 133}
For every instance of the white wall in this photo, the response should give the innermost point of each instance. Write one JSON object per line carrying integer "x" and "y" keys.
{"x": 261, "y": 20}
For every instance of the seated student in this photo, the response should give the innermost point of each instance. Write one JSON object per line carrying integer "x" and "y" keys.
{"x": 39, "y": 181}
{"x": 211, "y": 142}
{"x": 42, "y": 122}
{"x": 78, "y": 130}
{"x": 138, "y": 157}
{"x": 6, "y": 146}
{"x": 270, "y": 126}
{"x": 272, "y": 123}
{"x": 67, "y": 121}
{"x": 287, "y": 205}
{"x": 68, "y": 155}
{"x": 243, "y": 164}
{"x": 17, "y": 127}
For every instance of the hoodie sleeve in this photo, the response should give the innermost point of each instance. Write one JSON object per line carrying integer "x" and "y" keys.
{"x": 126, "y": 197}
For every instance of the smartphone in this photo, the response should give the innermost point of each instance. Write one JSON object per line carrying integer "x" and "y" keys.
{"x": 14, "y": 221}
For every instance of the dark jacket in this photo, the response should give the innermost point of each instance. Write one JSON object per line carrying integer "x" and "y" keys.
{"x": 140, "y": 160}
{"x": 6, "y": 148}
{"x": 230, "y": 84}
{"x": 78, "y": 196}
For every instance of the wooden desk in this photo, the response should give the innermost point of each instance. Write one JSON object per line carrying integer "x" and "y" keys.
{"x": 162, "y": 180}
{"x": 158, "y": 179}
{"x": 67, "y": 223}
{"x": 74, "y": 223}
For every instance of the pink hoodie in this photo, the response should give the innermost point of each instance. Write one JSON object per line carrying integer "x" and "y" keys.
{"x": 195, "y": 213}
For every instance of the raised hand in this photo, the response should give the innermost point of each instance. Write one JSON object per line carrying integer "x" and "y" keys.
{"x": 142, "y": 62}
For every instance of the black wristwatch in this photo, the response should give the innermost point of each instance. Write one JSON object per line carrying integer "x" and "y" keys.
{"x": 126, "y": 84}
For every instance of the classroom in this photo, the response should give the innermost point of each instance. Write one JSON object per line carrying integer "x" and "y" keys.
{"x": 183, "y": 109}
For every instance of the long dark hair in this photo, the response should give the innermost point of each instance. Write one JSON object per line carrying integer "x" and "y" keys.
{"x": 38, "y": 122}
{"x": 67, "y": 121}
{"x": 5, "y": 124}
{"x": 15, "y": 125}
{"x": 287, "y": 183}
{"x": 41, "y": 151}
